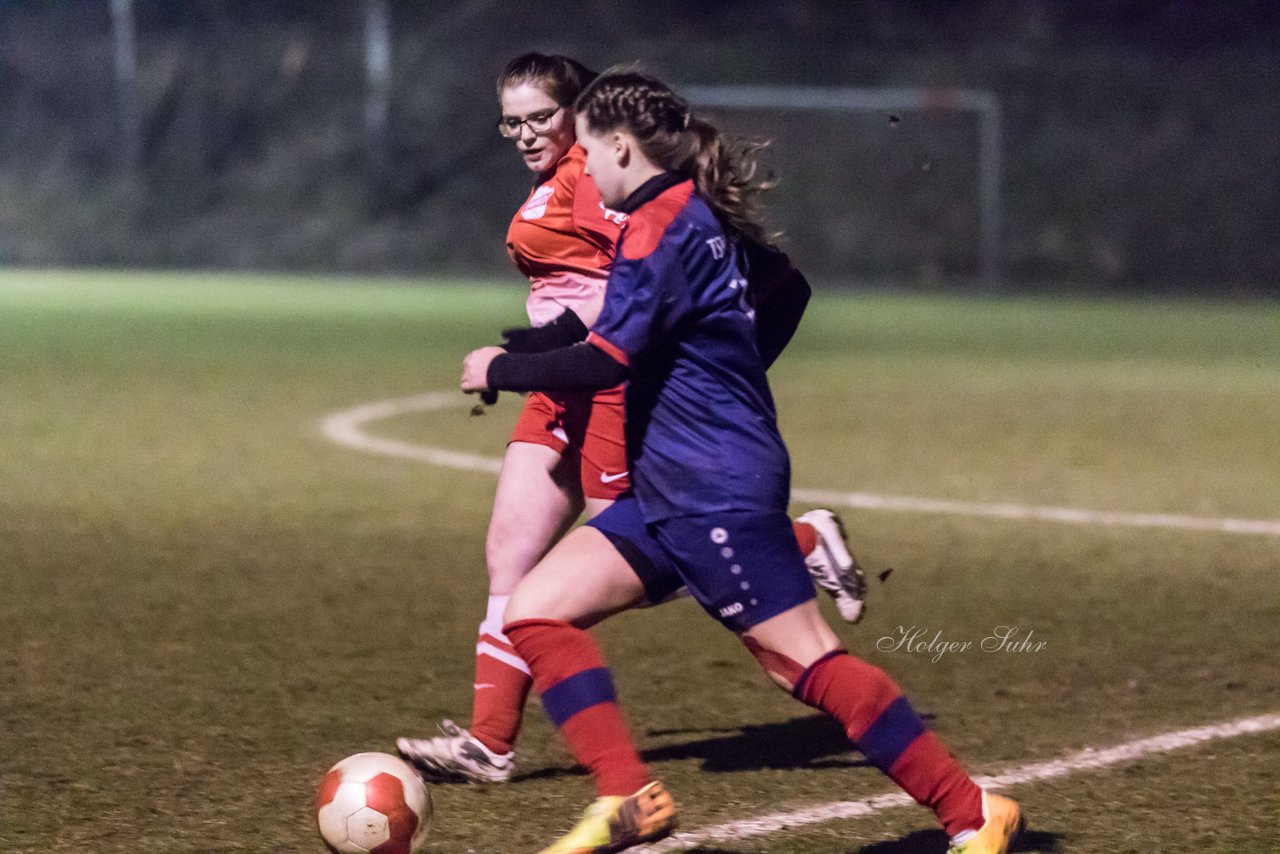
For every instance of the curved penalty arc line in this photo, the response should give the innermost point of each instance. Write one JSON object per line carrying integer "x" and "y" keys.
{"x": 346, "y": 427}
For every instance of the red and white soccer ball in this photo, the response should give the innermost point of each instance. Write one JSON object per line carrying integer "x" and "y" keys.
{"x": 373, "y": 803}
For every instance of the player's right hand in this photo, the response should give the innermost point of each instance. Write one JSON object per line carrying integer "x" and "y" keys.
{"x": 475, "y": 369}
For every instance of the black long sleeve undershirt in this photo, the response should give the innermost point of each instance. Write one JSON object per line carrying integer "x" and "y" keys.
{"x": 566, "y": 329}
{"x": 581, "y": 367}
{"x": 779, "y": 293}
{"x": 547, "y": 358}
{"x": 778, "y": 315}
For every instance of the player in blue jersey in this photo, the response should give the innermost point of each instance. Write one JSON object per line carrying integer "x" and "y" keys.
{"x": 568, "y": 450}
{"x": 710, "y": 483}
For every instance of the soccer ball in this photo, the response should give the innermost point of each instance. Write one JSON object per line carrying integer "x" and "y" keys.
{"x": 373, "y": 803}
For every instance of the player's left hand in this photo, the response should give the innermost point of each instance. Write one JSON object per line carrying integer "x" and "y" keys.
{"x": 475, "y": 368}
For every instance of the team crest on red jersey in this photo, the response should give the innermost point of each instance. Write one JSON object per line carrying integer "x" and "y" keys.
{"x": 536, "y": 207}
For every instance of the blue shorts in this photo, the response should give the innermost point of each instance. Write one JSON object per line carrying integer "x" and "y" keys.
{"x": 622, "y": 525}
{"x": 743, "y": 567}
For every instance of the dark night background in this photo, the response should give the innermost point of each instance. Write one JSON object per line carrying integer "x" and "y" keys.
{"x": 1141, "y": 140}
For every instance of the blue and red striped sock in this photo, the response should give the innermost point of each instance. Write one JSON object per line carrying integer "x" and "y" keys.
{"x": 880, "y": 721}
{"x": 577, "y": 691}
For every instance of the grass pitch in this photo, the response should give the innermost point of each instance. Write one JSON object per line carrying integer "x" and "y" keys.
{"x": 204, "y": 603}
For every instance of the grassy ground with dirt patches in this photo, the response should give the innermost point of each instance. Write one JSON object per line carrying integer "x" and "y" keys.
{"x": 204, "y": 603}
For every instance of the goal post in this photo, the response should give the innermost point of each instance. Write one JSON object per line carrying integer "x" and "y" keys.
{"x": 983, "y": 104}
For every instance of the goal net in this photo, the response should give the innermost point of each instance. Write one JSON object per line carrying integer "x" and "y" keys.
{"x": 894, "y": 184}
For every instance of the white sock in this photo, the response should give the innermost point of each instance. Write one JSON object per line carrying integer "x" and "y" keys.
{"x": 493, "y": 624}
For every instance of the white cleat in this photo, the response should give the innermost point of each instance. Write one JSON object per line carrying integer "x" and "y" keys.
{"x": 456, "y": 756}
{"x": 832, "y": 566}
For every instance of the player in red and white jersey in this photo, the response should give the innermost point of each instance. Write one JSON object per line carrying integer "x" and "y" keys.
{"x": 567, "y": 451}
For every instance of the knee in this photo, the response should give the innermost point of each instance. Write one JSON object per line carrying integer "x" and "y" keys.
{"x": 506, "y": 559}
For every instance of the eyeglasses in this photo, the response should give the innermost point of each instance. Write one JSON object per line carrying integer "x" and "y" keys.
{"x": 539, "y": 122}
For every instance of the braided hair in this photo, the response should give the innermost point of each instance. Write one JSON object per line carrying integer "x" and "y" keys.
{"x": 724, "y": 170}
{"x": 560, "y": 77}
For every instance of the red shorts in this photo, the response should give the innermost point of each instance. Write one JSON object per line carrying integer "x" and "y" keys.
{"x": 590, "y": 426}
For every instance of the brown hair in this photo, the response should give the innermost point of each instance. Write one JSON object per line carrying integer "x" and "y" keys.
{"x": 560, "y": 77}
{"x": 724, "y": 170}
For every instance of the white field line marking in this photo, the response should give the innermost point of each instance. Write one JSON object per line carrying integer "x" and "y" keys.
{"x": 346, "y": 428}
{"x": 1067, "y": 515}
{"x": 1087, "y": 759}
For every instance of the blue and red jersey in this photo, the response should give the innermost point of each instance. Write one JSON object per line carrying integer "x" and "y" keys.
{"x": 702, "y": 430}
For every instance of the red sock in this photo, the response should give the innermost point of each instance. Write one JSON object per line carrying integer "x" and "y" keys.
{"x": 502, "y": 684}
{"x": 806, "y": 536}
{"x": 880, "y": 721}
{"x": 577, "y": 692}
